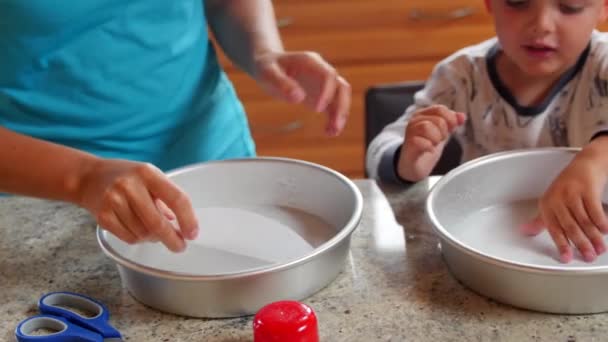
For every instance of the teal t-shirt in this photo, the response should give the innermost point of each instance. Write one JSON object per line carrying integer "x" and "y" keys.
{"x": 135, "y": 79}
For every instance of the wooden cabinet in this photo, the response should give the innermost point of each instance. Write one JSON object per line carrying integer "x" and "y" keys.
{"x": 369, "y": 42}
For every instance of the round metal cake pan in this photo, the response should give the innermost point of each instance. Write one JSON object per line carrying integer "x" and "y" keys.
{"x": 476, "y": 211}
{"x": 270, "y": 229}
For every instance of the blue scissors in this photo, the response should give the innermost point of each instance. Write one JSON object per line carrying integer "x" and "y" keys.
{"x": 68, "y": 316}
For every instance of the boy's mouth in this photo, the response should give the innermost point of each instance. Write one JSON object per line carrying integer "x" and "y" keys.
{"x": 539, "y": 50}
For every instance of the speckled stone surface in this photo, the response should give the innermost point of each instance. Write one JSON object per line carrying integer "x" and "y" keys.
{"x": 394, "y": 286}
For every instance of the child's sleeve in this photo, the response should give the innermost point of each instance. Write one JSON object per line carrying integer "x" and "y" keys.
{"x": 446, "y": 87}
{"x": 598, "y": 101}
{"x": 586, "y": 115}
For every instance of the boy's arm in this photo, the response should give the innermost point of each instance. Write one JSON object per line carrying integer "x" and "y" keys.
{"x": 37, "y": 168}
{"x": 598, "y": 147}
{"x": 591, "y": 109}
{"x": 244, "y": 29}
{"x": 444, "y": 87}
{"x": 383, "y": 151}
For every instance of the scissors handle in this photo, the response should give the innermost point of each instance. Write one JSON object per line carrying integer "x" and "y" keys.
{"x": 91, "y": 314}
{"x": 60, "y": 330}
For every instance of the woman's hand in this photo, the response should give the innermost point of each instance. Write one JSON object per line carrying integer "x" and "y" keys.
{"x": 304, "y": 77}
{"x": 137, "y": 202}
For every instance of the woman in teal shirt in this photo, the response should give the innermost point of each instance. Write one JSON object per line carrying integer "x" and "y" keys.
{"x": 97, "y": 96}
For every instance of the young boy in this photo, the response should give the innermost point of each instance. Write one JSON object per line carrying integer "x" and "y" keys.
{"x": 543, "y": 81}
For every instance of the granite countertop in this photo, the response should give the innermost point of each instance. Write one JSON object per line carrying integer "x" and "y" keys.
{"x": 394, "y": 285}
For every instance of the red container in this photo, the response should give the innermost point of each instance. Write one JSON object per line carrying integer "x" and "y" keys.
{"x": 285, "y": 321}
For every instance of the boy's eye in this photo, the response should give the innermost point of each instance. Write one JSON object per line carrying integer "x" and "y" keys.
{"x": 566, "y": 7}
{"x": 570, "y": 8}
{"x": 517, "y": 3}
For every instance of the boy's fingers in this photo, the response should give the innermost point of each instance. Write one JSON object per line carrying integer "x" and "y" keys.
{"x": 534, "y": 227}
{"x": 575, "y": 233}
{"x": 593, "y": 233}
{"x": 434, "y": 109}
{"x": 421, "y": 144}
{"x": 440, "y": 123}
{"x": 427, "y": 129}
{"x": 460, "y": 118}
{"x": 449, "y": 116}
{"x": 596, "y": 212}
{"x": 559, "y": 238}
{"x": 452, "y": 119}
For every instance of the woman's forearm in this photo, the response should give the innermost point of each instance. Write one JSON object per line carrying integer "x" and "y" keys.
{"x": 244, "y": 29}
{"x": 37, "y": 168}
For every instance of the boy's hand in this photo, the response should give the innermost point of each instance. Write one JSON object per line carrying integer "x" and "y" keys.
{"x": 136, "y": 202}
{"x": 304, "y": 77}
{"x": 571, "y": 209}
{"x": 425, "y": 136}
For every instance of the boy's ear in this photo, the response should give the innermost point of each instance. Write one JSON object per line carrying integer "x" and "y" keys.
{"x": 604, "y": 11}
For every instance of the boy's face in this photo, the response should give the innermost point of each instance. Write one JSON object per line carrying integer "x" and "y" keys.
{"x": 545, "y": 37}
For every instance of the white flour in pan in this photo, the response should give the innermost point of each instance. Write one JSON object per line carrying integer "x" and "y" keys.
{"x": 495, "y": 231}
{"x": 240, "y": 239}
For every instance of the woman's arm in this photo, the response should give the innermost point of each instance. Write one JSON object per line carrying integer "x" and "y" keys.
{"x": 37, "y": 168}
{"x": 247, "y": 32}
{"x": 125, "y": 197}
{"x": 245, "y": 29}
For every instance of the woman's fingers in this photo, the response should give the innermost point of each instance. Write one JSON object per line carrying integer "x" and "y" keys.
{"x": 139, "y": 203}
{"x": 305, "y": 77}
{"x": 108, "y": 220}
{"x": 133, "y": 207}
{"x": 128, "y": 199}
{"x": 128, "y": 218}
{"x": 162, "y": 188}
{"x": 280, "y": 84}
{"x": 339, "y": 108}
{"x": 162, "y": 207}
{"x": 328, "y": 78}
{"x": 155, "y": 222}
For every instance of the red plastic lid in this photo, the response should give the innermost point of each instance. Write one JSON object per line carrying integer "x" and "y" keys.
{"x": 285, "y": 321}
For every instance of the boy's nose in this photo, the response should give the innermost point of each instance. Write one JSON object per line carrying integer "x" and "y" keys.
{"x": 543, "y": 21}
